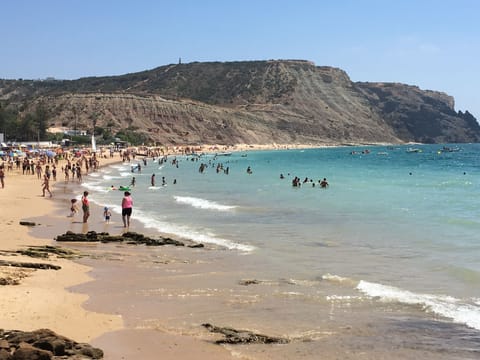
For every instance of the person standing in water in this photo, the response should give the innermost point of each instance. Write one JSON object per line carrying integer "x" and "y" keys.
{"x": 127, "y": 204}
{"x": 85, "y": 206}
{"x": 324, "y": 183}
{"x": 152, "y": 180}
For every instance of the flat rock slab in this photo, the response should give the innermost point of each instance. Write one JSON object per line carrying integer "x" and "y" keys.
{"x": 128, "y": 237}
{"x": 233, "y": 336}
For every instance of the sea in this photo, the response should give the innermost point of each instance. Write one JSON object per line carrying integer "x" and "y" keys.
{"x": 384, "y": 262}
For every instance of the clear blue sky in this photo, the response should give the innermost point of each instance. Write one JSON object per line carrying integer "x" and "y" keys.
{"x": 434, "y": 44}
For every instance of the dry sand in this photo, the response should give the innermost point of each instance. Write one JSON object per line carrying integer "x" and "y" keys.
{"x": 41, "y": 300}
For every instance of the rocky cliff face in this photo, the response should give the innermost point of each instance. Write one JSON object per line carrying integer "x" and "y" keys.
{"x": 248, "y": 102}
{"x": 420, "y": 115}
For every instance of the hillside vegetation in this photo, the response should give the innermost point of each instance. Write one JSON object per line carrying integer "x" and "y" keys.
{"x": 261, "y": 102}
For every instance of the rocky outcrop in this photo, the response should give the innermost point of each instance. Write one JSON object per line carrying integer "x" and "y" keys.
{"x": 28, "y": 265}
{"x": 127, "y": 237}
{"x": 43, "y": 344}
{"x": 420, "y": 115}
{"x": 263, "y": 102}
{"x": 234, "y": 336}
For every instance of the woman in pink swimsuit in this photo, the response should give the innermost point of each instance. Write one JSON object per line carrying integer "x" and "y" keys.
{"x": 127, "y": 203}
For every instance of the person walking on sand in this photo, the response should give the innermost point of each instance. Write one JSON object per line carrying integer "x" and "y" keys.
{"x": 85, "y": 206}
{"x": 2, "y": 177}
{"x": 46, "y": 185}
{"x": 127, "y": 203}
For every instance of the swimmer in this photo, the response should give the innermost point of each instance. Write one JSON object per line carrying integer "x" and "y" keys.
{"x": 324, "y": 183}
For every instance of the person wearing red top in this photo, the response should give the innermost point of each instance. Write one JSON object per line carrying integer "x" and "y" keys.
{"x": 127, "y": 204}
{"x": 85, "y": 206}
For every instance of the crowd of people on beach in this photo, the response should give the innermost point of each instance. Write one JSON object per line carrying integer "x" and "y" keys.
{"x": 75, "y": 165}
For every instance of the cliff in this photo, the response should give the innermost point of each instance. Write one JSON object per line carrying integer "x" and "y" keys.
{"x": 285, "y": 101}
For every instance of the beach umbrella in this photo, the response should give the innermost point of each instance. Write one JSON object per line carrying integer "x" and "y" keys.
{"x": 50, "y": 153}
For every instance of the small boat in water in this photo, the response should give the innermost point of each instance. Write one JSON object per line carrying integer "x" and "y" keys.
{"x": 414, "y": 150}
{"x": 450, "y": 149}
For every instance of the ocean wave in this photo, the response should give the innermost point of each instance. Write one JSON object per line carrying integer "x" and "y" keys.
{"x": 95, "y": 186}
{"x": 110, "y": 177}
{"x": 189, "y": 233}
{"x": 331, "y": 277}
{"x": 459, "y": 311}
{"x": 202, "y": 203}
{"x": 178, "y": 230}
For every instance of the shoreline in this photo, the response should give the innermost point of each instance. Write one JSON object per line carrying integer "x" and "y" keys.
{"x": 106, "y": 330}
{"x": 43, "y": 298}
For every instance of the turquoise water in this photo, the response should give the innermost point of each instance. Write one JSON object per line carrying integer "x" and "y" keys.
{"x": 397, "y": 226}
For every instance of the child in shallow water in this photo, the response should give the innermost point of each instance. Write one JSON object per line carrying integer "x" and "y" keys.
{"x": 73, "y": 207}
{"x": 107, "y": 214}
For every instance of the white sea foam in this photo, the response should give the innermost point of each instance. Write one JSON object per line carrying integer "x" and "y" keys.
{"x": 341, "y": 297}
{"x": 110, "y": 177}
{"x": 459, "y": 311}
{"x": 95, "y": 187}
{"x": 189, "y": 233}
{"x": 336, "y": 278}
{"x": 202, "y": 203}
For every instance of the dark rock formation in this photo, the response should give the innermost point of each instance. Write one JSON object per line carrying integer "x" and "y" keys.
{"x": 43, "y": 344}
{"x": 27, "y": 223}
{"x": 45, "y": 252}
{"x": 249, "y": 282}
{"x": 420, "y": 115}
{"x": 42, "y": 266}
{"x": 233, "y": 336}
{"x": 128, "y": 237}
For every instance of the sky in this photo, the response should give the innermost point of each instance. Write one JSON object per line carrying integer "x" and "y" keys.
{"x": 433, "y": 44}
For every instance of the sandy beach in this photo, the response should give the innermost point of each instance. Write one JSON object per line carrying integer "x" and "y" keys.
{"x": 144, "y": 301}
{"x": 35, "y": 299}
{"x": 41, "y": 300}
